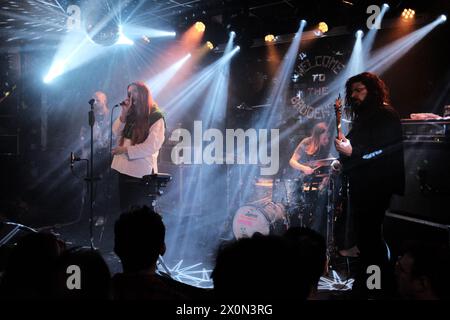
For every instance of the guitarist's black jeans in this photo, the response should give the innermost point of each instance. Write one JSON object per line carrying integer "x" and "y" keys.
{"x": 368, "y": 209}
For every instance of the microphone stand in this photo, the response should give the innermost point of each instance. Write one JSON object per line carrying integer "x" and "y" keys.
{"x": 109, "y": 177}
{"x": 111, "y": 136}
{"x": 90, "y": 178}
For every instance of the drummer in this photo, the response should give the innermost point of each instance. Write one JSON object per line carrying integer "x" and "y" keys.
{"x": 310, "y": 149}
{"x": 309, "y": 156}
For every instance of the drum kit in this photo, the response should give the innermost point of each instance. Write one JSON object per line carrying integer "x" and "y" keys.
{"x": 277, "y": 204}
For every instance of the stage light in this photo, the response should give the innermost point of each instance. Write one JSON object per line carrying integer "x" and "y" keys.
{"x": 232, "y": 34}
{"x": 303, "y": 21}
{"x": 200, "y": 26}
{"x": 56, "y": 70}
{"x": 323, "y": 27}
{"x": 145, "y": 39}
{"x": 210, "y": 45}
{"x": 359, "y": 33}
{"x": 136, "y": 31}
{"x": 408, "y": 14}
{"x": 269, "y": 38}
{"x": 385, "y": 5}
{"x": 160, "y": 81}
{"x": 123, "y": 39}
{"x": 443, "y": 18}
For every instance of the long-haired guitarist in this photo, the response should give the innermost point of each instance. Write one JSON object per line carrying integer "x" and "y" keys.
{"x": 372, "y": 158}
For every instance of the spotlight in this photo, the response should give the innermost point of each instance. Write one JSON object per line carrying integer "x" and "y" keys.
{"x": 238, "y": 48}
{"x": 56, "y": 70}
{"x": 443, "y": 17}
{"x": 200, "y": 26}
{"x": 232, "y": 34}
{"x": 269, "y": 38}
{"x": 47, "y": 79}
{"x": 386, "y": 5}
{"x": 303, "y": 21}
{"x": 323, "y": 27}
{"x": 209, "y": 45}
{"x": 123, "y": 39}
{"x": 408, "y": 14}
{"x": 359, "y": 33}
{"x": 145, "y": 39}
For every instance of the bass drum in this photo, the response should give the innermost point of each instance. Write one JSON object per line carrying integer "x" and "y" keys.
{"x": 269, "y": 218}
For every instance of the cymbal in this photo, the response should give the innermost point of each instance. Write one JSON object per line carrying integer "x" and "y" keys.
{"x": 322, "y": 162}
{"x": 326, "y": 159}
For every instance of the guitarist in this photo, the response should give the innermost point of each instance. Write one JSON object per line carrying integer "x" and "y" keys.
{"x": 372, "y": 159}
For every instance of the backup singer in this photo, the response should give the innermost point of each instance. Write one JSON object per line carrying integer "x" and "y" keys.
{"x": 101, "y": 131}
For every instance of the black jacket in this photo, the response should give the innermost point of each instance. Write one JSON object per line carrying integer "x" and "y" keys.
{"x": 376, "y": 164}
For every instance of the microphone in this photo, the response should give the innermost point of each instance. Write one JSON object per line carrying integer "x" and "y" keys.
{"x": 91, "y": 102}
{"x": 243, "y": 106}
{"x": 123, "y": 103}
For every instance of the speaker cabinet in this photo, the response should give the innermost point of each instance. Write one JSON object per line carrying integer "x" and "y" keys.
{"x": 427, "y": 185}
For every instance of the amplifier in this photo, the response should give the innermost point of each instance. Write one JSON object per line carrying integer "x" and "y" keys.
{"x": 427, "y": 180}
{"x": 426, "y": 130}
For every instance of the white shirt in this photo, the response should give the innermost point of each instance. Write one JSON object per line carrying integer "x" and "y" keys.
{"x": 140, "y": 158}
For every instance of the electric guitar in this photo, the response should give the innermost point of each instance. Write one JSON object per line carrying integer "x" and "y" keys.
{"x": 340, "y": 193}
{"x": 338, "y": 112}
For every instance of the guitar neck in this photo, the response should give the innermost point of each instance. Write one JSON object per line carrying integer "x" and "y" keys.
{"x": 338, "y": 122}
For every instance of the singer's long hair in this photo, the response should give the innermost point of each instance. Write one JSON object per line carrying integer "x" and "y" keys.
{"x": 313, "y": 142}
{"x": 138, "y": 115}
{"x": 377, "y": 92}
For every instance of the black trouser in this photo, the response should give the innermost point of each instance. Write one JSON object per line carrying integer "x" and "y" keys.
{"x": 131, "y": 192}
{"x": 368, "y": 209}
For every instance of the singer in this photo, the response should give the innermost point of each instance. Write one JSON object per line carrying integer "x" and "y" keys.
{"x": 140, "y": 134}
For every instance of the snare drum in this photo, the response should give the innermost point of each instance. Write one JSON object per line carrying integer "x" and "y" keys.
{"x": 265, "y": 219}
{"x": 288, "y": 192}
